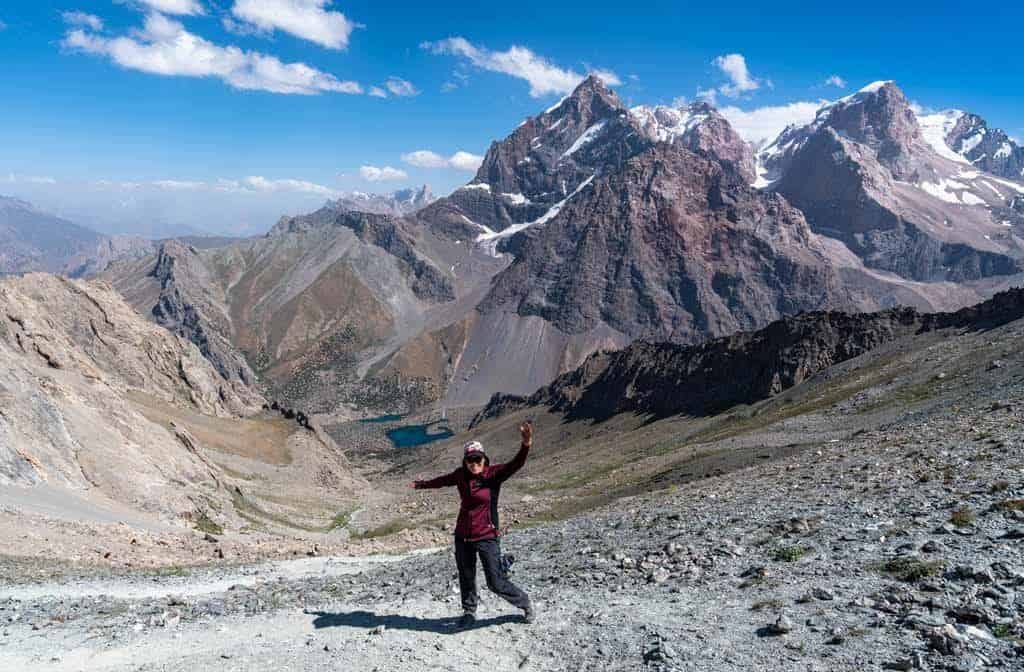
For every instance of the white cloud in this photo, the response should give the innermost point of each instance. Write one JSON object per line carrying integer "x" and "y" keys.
{"x": 836, "y": 81}
{"x": 424, "y": 158}
{"x": 82, "y": 19}
{"x": 260, "y": 183}
{"x": 12, "y": 178}
{"x": 378, "y": 92}
{"x": 465, "y": 161}
{"x": 185, "y": 7}
{"x": 765, "y": 123}
{"x": 164, "y": 47}
{"x": 375, "y": 174}
{"x": 734, "y": 66}
{"x": 305, "y": 19}
{"x": 543, "y": 76}
{"x": 400, "y": 87}
{"x": 253, "y": 183}
{"x": 179, "y": 185}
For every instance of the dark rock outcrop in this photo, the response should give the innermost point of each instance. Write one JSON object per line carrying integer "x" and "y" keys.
{"x": 663, "y": 379}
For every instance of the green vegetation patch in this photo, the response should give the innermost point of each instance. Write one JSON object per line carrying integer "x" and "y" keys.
{"x": 789, "y": 553}
{"x": 204, "y": 523}
{"x": 911, "y": 569}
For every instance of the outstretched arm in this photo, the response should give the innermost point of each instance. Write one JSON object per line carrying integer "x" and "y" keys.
{"x": 505, "y": 471}
{"x": 439, "y": 482}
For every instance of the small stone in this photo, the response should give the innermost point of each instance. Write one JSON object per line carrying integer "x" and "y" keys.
{"x": 781, "y": 626}
{"x": 379, "y": 630}
{"x": 823, "y": 594}
{"x": 931, "y": 546}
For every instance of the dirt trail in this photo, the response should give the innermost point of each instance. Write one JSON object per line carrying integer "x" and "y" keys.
{"x": 204, "y": 582}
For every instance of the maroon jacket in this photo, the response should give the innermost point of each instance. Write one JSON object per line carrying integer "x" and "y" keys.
{"x": 478, "y": 512}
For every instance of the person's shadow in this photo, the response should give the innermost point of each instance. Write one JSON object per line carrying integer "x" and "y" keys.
{"x": 370, "y": 620}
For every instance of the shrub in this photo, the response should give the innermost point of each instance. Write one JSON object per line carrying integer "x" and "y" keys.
{"x": 911, "y": 569}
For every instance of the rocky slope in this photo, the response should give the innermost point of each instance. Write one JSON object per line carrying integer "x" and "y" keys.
{"x": 107, "y": 417}
{"x": 663, "y": 379}
{"x": 310, "y": 307}
{"x": 866, "y": 519}
{"x": 32, "y": 240}
{"x": 864, "y": 173}
{"x": 73, "y": 354}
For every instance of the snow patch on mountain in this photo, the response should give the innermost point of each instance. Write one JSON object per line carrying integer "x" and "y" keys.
{"x": 665, "y": 124}
{"x": 936, "y": 127}
{"x": 587, "y": 136}
{"x": 489, "y": 240}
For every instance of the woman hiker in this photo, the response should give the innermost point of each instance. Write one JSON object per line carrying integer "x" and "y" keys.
{"x": 476, "y": 532}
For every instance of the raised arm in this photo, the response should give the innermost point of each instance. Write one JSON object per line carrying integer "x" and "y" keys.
{"x": 505, "y": 471}
{"x": 439, "y": 482}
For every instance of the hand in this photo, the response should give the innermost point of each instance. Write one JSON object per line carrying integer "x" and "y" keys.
{"x": 526, "y": 430}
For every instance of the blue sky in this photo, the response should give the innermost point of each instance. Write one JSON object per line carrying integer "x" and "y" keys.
{"x": 225, "y": 114}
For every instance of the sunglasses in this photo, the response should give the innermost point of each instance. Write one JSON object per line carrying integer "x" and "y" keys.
{"x": 475, "y": 459}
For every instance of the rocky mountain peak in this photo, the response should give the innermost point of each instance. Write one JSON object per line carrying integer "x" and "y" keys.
{"x": 989, "y": 149}
{"x": 398, "y": 203}
{"x": 879, "y": 116}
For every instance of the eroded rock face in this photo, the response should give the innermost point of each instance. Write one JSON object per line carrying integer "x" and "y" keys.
{"x": 301, "y": 308}
{"x": 664, "y": 379}
{"x": 187, "y": 306}
{"x": 72, "y": 356}
{"x": 671, "y": 246}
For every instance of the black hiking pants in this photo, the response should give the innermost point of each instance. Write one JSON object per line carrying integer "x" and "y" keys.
{"x": 489, "y": 551}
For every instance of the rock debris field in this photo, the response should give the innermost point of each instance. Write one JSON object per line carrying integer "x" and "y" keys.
{"x": 901, "y": 548}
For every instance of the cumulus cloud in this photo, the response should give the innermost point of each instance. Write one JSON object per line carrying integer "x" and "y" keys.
{"x": 543, "y": 76}
{"x": 305, "y": 19}
{"x": 424, "y": 158}
{"x": 183, "y": 7}
{"x": 387, "y": 173}
{"x": 378, "y": 92}
{"x": 400, "y": 87}
{"x": 836, "y": 81}
{"x": 765, "y": 123}
{"x": 164, "y": 47}
{"x": 734, "y": 66}
{"x": 82, "y": 19}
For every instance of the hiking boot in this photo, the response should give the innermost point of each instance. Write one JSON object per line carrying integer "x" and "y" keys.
{"x": 529, "y": 614}
{"x": 467, "y": 621}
